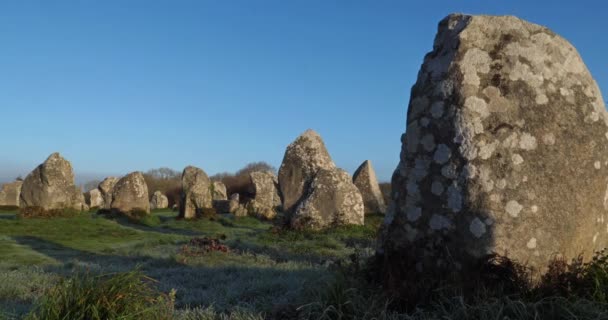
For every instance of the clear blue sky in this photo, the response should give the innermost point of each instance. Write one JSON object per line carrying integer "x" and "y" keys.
{"x": 118, "y": 86}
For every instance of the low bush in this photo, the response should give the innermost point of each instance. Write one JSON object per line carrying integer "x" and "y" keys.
{"x": 128, "y": 295}
{"x": 39, "y": 212}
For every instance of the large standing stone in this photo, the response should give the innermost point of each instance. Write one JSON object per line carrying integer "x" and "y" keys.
{"x": 130, "y": 194}
{"x": 367, "y": 183}
{"x": 159, "y": 201}
{"x": 505, "y": 151}
{"x": 95, "y": 199}
{"x": 219, "y": 191}
{"x": 333, "y": 200}
{"x": 51, "y": 186}
{"x": 106, "y": 187}
{"x": 302, "y": 160}
{"x": 9, "y": 194}
{"x": 266, "y": 200}
{"x": 196, "y": 194}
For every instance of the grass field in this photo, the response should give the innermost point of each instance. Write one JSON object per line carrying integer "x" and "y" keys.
{"x": 264, "y": 270}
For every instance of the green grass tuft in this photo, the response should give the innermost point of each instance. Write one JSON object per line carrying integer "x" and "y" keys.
{"x": 128, "y": 295}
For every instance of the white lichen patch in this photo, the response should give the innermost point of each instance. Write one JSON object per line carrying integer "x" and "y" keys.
{"x": 487, "y": 149}
{"x": 424, "y": 122}
{"x": 413, "y": 213}
{"x": 449, "y": 171}
{"x": 531, "y": 243}
{"x": 595, "y": 236}
{"x": 473, "y": 62}
{"x": 534, "y": 208}
{"x": 527, "y": 142}
{"x": 513, "y": 208}
{"x": 437, "y": 109}
{"x": 597, "y": 165}
{"x": 469, "y": 171}
{"x": 478, "y": 106}
{"x": 437, "y": 188}
{"x": 428, "y": 142}
{"x": 454, "y": 198}
{"x": 438, "y": 222}
{"x": 549, "y": 139}
{"x": 477, "y": 228}
{"x": 495, "y": 197}
{"x": 542, "y": 99}
{"x": 487, "y": 184}
{"x": 418, "y": 106}
{"x": 442, "y": 154}
{"x": 501, "y": 184}
{"x": 421, "y": 168}
{"x": 517, "y": 159}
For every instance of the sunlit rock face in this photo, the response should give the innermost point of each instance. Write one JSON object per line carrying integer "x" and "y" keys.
{"x": 367, "y": 183}
{"x": 196, "y": 192}
{"x": 505, "y": 150}
{"x": 130, "y": 194}
{"x": 51, "y": 186}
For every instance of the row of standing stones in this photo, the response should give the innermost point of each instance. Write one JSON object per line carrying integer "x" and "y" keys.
{"x": 504, "y": 153}
{"x": 316, "y": 193}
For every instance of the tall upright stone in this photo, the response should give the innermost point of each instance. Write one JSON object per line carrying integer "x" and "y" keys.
{"x": 106, "y": 187}
{"x": 51, "y": 186}
{"x": 9, "y": 193}
{"x": 130, "y": 194}
{"x": 332, "y": 200}
{"x": 367, "y": 183}
{"x": 266, "y": 200}
{"x": 505, "y": 151}
{"x": 302, "y": 160}
{"x": 219, "y": 191}
{"x": 196, "y": 192}
{"x": 95, "y": 198}
{"x": 159, "y": 201}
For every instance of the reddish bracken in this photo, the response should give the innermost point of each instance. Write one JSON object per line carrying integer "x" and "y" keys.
{"x": 201, "y": 246}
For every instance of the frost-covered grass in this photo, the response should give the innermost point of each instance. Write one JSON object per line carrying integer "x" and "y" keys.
{"x": 264, "y": 270}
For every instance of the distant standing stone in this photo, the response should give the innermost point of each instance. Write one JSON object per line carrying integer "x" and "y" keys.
{"x": 302, "y": 160}
{"x": 159, "y": 201}
{"x": 51, "y": 186}
{"x": 9, "y": 193}
{"x": 106, "y": 187}
{"x": 367, "y": 183}
{"x": 196, "y": 192}
{"x": 219, "y": 191}
{"x": 95, "y": 199}
{"x": 131, "y": 194}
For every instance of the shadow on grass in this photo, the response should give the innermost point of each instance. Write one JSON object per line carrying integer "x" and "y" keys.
{"x": 241, "y": 282}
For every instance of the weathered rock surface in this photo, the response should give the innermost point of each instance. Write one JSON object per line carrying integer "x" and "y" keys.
{"x": 51, "y": 186}
{"x": 9, "y": 193}
{"x": 219, "y": 191}
{"x": 302, "y": 160}
{"x": 367, "y": 183}
{"x": 130, "y": 194}
{"x": 505, "y": 151}
{"x": 95, "y": 199}
{"x": 196, "y": 194}
{"x": 106, "y": 187}
{"x": 333, "y": 200}
{"x": 266, "y": 200}
{"x": 159, "y": 201}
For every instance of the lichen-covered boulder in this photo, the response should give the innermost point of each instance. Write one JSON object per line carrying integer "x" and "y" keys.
{"x": 219, "y": 191}
{"x": 106, "y": 187}
{"x": 51, "y": 186}
{"x": 130, "y": 195}
{"x": 95, "y": 199}
{"x": 9, "y": 194}
{"x": 505, "y": 151}
{"x": 367, "y": 183}
{"x": 333, "y": 200}
{"x": 266, "y": 200}
{"x": 159, "y": 201}
{"x": 196, "y": 192}
{"x": 303, "y": 158}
